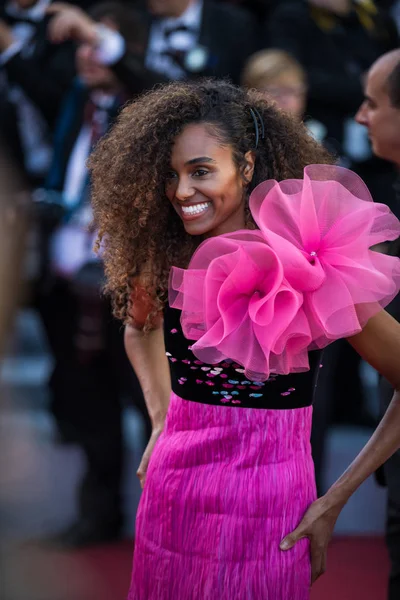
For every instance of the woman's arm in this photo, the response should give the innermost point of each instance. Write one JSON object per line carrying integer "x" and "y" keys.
{"x": 379, "y": 345}
{"x": 146, "y": 352}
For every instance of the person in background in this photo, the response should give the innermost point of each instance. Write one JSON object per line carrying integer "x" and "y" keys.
{"x": 34, "y": 76}
{"x": 91, "y": 373}
{"x": 117, "y": 50}
{"x": 282, "y": 78}
{"x": 336, "y": 41}
{"x": 189, "y": 38}
{"x": 380, "y": 114}
{"x": 182, "y": 39}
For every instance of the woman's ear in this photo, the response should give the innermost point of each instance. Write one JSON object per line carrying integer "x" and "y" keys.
{"x": 250, "y": 161}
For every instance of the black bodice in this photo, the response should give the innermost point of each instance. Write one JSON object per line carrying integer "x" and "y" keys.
{"x": 225, "y": 384}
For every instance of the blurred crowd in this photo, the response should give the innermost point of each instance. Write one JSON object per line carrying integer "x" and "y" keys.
{"x": 66, "y": 70}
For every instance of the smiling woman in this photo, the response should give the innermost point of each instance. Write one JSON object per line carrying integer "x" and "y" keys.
{"x": 206, "y": 194}
{"x": 133, "y": 175}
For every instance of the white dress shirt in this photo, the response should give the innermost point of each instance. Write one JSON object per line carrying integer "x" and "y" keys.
{"x": 183, "y": 41}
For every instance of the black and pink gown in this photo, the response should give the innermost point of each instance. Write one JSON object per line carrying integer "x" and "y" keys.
{"x": 232, "y": 474}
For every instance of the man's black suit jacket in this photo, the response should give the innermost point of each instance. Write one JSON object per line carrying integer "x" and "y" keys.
{"x": 230, "y": 35}
{"x": 45, "y": 74}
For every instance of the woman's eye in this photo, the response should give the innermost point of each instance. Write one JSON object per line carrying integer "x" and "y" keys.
{"x": 200, "y": 172}
{"x": 170, "y": 175}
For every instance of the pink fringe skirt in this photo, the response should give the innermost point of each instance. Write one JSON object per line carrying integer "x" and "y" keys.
{"x": 224, "y": 486}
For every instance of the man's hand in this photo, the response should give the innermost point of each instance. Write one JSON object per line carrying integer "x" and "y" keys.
{"x": 6, "y": 36}
{"x": 70, "y": 23}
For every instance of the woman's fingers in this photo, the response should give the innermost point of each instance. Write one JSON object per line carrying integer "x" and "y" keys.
{"x": 142, "y": 470}
{"x": 144, "y": 463}
{"x": 318, "y": 552}
{"x": 290, "y": 540}
{"x": 141, "y": 473}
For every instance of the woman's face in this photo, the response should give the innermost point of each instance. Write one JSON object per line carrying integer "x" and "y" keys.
{"x": 204, "y": 185}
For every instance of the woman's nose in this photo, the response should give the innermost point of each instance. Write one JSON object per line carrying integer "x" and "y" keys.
{"x": 184, "y": 190}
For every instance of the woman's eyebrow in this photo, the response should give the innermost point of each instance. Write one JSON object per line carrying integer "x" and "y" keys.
{"x": 200, "y": 159}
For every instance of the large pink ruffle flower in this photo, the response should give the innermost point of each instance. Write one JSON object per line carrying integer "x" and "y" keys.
{"x": 308, "y": 276}
{"x": 322, "y": 228}
{"x": 236, "y": 304}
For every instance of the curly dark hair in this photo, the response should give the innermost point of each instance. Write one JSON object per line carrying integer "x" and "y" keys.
{"x": 140, "y": 232}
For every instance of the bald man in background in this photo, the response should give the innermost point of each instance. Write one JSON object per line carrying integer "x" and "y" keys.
{"x": 380, "y": 113}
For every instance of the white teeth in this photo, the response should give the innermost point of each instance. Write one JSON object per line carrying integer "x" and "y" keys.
{"x": 196, "y": 209}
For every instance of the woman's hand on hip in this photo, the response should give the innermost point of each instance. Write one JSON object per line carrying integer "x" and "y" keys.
{"x": 144, "y": 463}
{"x": 317, "y": 525}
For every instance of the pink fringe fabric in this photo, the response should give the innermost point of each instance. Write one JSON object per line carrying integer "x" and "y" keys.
{"x": 307, "y": 277}
{"x": 224, "y": 486}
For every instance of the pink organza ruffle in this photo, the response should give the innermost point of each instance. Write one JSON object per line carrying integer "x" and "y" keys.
{"x": 308, "y": 276}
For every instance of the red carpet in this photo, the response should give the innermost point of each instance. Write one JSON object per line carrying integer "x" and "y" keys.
{"x": 357, "y": 570}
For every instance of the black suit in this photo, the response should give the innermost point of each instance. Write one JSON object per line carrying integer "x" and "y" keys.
{"x": 230, "y": 35}
{"x": 44, "y": 72}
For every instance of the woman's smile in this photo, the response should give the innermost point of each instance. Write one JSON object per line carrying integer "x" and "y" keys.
{"x": 193, "y": 211}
